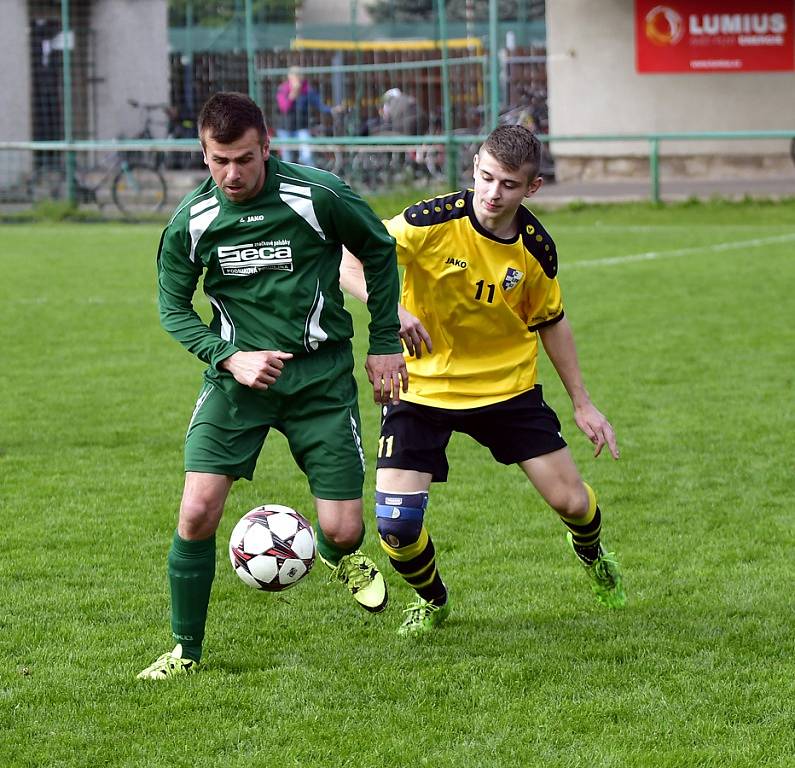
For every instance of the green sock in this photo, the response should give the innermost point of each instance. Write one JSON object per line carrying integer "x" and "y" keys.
{"x": 330, "y": 552}
{"x": 191, "y": 568}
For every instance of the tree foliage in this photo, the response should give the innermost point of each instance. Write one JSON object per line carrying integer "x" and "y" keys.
{"x": 217, "y": 13}
{"x": 425, "y": 10}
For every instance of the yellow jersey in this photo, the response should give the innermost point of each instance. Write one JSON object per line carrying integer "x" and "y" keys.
{"x": 481, "y": 299}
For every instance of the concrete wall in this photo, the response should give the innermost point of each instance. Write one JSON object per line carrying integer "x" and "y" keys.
{"x": 131, "y": 51}
{"x": 15, "y": 119}
{"x": 593, "y": 88}
{"x": 333, "y": 12}
{"x": 130, "y": 61}
{"x": 15, "y": 116}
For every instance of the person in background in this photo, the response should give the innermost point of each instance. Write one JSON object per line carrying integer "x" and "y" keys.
{"x": 299, "y": 106}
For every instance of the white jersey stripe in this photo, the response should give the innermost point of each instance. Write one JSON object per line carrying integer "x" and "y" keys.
{"x": 295, "y": 189}
{"x": 199, "y": 224}
{"x": 205, "y": 393}
{"x": 314, "y": 333}
{"x": 188, "y": 202}
{"x": 227, "y": 326}
{"x": 302, "y": 182}
{"x": 357, "y": 439}
{"x": 195, "y": 210}
{"x": 305, "y": 209}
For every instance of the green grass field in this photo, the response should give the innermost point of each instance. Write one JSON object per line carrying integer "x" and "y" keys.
{"x": 685, "y": 321}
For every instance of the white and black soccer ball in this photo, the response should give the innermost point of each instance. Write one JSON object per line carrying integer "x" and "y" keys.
{"x": 272, "y": 547}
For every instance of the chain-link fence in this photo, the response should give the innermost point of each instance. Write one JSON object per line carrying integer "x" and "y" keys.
{"x": 392, "y": 88}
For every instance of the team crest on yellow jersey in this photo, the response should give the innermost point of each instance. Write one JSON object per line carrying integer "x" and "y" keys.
{"x": 512, "y": 278}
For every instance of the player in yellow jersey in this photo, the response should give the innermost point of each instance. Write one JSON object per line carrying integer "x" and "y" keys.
{"x": 480, "y": 288}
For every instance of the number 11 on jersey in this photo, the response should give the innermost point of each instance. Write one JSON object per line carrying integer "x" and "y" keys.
{"x": 479, "y": 292}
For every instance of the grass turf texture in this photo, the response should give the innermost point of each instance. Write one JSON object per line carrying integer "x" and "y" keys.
{"x": 688, "y": 351}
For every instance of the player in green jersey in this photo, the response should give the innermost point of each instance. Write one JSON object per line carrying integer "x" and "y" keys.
{"x": 480, "y": 288}
{"x": 267, "y": 238}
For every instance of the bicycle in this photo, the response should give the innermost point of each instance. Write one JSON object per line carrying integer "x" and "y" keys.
{"x": 177, "y": 125}
{"x": 373, "y": 167}
{"x": 135, "y": 188}
{"x": 155, "y": 159}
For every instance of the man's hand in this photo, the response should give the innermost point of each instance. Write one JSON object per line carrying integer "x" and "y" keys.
{"x": 413, "y": 333}
{"x": 257, "y": 370}
{"x": 387, "y": 374}
{"x": 597, "y": 428}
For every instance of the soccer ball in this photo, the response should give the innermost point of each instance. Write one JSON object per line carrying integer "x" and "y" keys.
{"x": 272, "y": 547}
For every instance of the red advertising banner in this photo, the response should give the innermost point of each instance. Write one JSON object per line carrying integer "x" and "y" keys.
{"x": 714, "y": 36}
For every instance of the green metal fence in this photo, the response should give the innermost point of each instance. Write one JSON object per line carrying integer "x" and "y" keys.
{"x": 463, "y": 73}
{"x": 458, "y": 62}
{"x": 127, "y": 184}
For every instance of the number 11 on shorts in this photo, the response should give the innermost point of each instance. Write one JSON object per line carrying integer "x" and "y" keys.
{"x": 385, "y": 444}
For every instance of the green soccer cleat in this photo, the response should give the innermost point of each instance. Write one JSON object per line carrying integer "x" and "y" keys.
{"x": 363, "y": 580}
{"x": 605, "y": 576}
{"x": 422, "y": 616}
{"x": 169, "y": 665}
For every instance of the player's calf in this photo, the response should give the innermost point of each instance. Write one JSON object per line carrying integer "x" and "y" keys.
{"x": 602, "y": 567}
{"x": 407, "y": 542}
{"x": 585, "y": 530}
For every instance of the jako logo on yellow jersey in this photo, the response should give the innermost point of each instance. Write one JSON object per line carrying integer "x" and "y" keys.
{"x": 250, "y": 258}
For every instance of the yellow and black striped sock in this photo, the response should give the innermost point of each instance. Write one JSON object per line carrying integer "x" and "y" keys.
{"x": 416, "y": 563}
{"x": 585, "y": 531}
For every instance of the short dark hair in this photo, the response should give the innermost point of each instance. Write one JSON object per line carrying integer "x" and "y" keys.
{"x": 512, "y": 146}
{"x": 227, "y": 115}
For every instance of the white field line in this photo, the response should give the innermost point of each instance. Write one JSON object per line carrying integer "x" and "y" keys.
{"x": 733, "y": 245}
{"x": 598, "y": 227}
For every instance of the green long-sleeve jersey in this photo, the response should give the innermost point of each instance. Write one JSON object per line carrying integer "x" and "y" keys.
{"x": 271, "y": 267}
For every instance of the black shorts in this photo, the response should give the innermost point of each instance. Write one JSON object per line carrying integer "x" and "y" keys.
{"x": 415, "y": 436}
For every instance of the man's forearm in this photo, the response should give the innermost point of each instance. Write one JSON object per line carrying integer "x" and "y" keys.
{"x": 354, "y": 282}
{"x": 558, "y": 341}
{"x": 352, "y": 276}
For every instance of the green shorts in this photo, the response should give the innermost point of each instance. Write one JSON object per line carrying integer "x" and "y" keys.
{"x": 313, "y": 403}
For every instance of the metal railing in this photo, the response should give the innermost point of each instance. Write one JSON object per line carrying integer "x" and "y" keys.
{"x": 655, "y": 139}
{"x": 450, "y": 142}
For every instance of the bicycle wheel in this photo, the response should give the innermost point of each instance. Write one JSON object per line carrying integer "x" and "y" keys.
{"x": 139, "y": 190}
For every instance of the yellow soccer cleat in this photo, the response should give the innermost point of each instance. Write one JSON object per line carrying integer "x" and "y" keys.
{"x": 605, "y": 576}
{"x": 422, "y": 616}
{"x": 169, "y": 665}
{"x": 363, "y": 580}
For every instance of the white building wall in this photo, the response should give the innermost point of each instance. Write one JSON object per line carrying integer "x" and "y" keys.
{"x": 131, "y": 57}
{"x": 15, "y": 85}
{"x": 15, "y": 117}
{"x": 333, "y": 11}
{"x": 594, "y": 89}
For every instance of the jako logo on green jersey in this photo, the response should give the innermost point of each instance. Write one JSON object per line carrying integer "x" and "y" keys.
{"x": 250, "y": 258}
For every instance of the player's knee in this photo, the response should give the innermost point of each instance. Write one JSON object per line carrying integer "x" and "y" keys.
{"x": 343, "y": 536}
{"x": 399, "y": 517}
{"x": 341, "y": 522}
{"x": 199, "y": 516}
{"x": 571, "y": 502}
